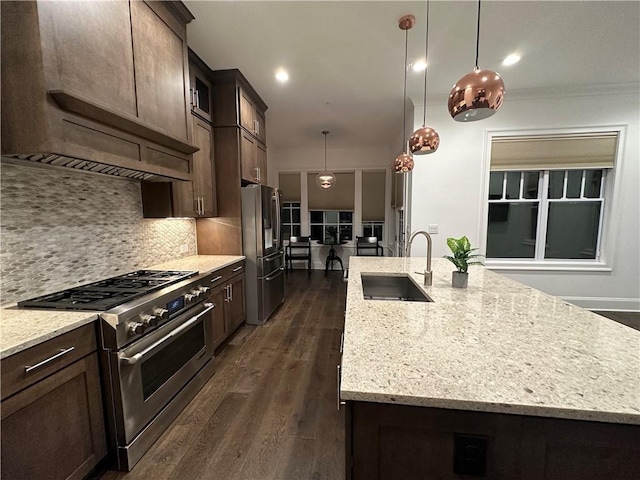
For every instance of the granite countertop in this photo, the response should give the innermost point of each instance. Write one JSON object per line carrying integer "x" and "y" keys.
{"x": 23, "y": 328}
{"x": 497, "y": 346}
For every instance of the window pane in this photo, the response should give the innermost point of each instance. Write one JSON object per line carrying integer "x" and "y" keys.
{"x": 495, "y": 185}
{"x": 572, "y": 230}
{"x": 592, "y": 183}
{"x": 346, "y": 217}
{"x": 513, "y": 185}
{"x": 512, "y": 230}
{"x": 316, "y": 232}
{"x": 574, "y": 183}
{"x": 286, "y": 215}
{"x": 296, "y": 230}
{"x": 331, "y": 217}
{"x": 295, "y": 204}
{"x": 367, "y": 231}
{"x": 330, "y": 234}
{"x": 377, "y": 231}
{"x": 530, "y": 187}
{"x": 345, "y": 232}
{"x": 286, "y": 232}
{"x": 295, "y": 215}
{"x": 316, "y": 216}
{"x": 556, "y": 183}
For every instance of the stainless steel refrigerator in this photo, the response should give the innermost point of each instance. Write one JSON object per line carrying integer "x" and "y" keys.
{"x": 262, "y": 244}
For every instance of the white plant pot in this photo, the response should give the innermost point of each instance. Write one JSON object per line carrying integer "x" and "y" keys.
{"x": 460, "y": 280}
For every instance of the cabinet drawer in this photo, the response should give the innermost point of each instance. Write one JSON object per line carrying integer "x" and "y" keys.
{"x": 46, "y": 358}
{"x": 222, "y": 276}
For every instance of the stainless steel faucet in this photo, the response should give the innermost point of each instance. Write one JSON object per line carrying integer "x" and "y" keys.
{"x": 428, "y": 277}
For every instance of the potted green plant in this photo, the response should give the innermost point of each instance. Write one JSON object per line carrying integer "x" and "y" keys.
{"x": 462, "y": 258}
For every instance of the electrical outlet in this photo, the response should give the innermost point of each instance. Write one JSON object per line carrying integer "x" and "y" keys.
{"x": 184, "y": 248}
{"x": 432, "y": 228}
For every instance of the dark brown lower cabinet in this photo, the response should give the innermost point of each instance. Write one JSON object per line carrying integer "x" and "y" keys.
{"x": 228, "y": 297}
{"x": 54, "y": 429}
{"x": 392, "y": 442}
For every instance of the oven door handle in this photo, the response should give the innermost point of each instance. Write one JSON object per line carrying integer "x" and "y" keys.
{"x": 140, "y": 355}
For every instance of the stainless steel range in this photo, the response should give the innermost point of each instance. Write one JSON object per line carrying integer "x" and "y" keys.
{"x": 156, "y": 330}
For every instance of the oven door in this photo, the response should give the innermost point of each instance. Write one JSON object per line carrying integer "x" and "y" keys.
{"x": 154, "y": 369}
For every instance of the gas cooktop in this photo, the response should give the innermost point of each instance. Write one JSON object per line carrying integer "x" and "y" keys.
{"x": 109, "y": 293}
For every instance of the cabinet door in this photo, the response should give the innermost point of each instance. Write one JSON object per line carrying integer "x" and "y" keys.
{"x": 261, "y": 126}
{"x": 248, "y": 156}
{"x": 247, "y": 109}
{"x": 200, "y": 93}
{"x": 219, "y": 331}
{"x": 261, "y": 162}
{"x": 88, "y": 51}
{"x": 160, "y": 52}
{"x": 55, "y": 429}
{"x": 235, "y": 313}
{"x": 203, "y": 167}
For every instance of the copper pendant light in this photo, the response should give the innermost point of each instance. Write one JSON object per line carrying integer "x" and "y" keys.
{"x": 425, "y": 139}
{"x": 478, "y": 94}
{"x": 326, "y": 179}
{"x": 404, "y": 162}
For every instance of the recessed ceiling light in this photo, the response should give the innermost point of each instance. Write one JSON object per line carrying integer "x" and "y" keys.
{"x": 282, "y": 76}
{"x": 419, "y": 66}
{"x": 511, "y": 59}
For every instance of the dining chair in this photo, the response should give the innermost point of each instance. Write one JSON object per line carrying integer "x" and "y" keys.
{"x": 299, "y": 248}
{"x": 364, "y": 246}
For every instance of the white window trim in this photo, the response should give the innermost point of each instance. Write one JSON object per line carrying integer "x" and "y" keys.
{"x": 609, "y": 230}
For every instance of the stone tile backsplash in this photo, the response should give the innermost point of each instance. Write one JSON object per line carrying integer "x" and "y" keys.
{"x": 62, "y": 228}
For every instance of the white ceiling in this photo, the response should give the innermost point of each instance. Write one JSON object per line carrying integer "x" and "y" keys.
{"x": 345, "y": 58}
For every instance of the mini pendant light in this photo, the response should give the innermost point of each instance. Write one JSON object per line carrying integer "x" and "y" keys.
{"x": 425, "y": 139}
{"x": 326, "y": 179}
{"x": 404, "y": 162}
{"x": 478, "y": 94}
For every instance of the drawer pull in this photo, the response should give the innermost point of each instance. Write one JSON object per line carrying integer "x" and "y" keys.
{"x": 237, "y": 268}
{"x": 214, "y": 280}
{"x": 64, "y": 351}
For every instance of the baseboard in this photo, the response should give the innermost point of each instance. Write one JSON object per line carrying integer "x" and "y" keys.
{"x": 606, "y": 303}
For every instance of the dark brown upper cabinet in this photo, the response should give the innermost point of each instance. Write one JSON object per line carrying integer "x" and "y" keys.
{"x": 101, "y": 86}
{"x": 200, "y": 87}
{"x": 237, "y": 104}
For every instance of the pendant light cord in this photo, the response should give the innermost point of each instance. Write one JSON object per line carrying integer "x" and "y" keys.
{"x": 325, "y": 150}
{"x": 426, "y": 60}
{"x": 404, "y": 95}
{"x": 478, "y": 35}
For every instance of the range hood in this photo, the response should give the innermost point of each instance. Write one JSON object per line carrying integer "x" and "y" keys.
{"x": 113, "y": 103}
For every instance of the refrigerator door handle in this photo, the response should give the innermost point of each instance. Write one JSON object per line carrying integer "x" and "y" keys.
{"x": 278, "y": 220}
{"x": 278, "y": 273}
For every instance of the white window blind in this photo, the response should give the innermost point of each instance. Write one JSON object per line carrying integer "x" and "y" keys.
{"x": 554, "y": 152}
{"x": 289, "y": 185}
{"x": 373, "y": 184}
{"x": 339, "y": 197}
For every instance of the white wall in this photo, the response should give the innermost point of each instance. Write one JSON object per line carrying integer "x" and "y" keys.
{"x": 447, "y": 188}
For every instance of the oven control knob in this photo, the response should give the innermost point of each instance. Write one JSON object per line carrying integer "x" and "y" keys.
{"x": 204, "y": 289}
{"x": 149, "y": 320}
{"x": 189, "y": 297}
{"x": 162, "y": 313}
{"x": 136, "y": 328}
{"x": 197, "y": 293}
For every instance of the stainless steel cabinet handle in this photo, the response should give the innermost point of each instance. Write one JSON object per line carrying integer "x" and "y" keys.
{"x": 140, "y": 355}
{"x": 339, "y": 402}
{"x": 227, "y": 297}
{"x": 341, "y": 342}
{"x": 63, "y": 351}
{"x": 214, "y": 280}
{"x": 199, "y": 211}
{"x": 197, "y": 100}
{"x": 231, "y": 292}
{"x": 237, "y": 269}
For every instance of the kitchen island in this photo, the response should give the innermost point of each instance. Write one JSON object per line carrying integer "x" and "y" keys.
{"x": 544, "y": 388}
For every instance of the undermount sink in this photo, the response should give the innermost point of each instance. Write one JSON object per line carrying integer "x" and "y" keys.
{"x": 387, "y": 287}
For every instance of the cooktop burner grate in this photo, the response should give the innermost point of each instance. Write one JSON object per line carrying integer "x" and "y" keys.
{"x": 109, "y": 293}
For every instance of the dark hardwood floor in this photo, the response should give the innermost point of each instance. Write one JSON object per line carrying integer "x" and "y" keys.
{"x": 630, "y": 319}
{"x": 269, "y": 411}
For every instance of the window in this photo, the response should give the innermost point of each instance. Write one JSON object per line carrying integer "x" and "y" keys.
{"x": 290, "y": 220}
{"x": 331, "y": 226}
{"x": 373, "y": 229}
{"x": 546, "y": 214}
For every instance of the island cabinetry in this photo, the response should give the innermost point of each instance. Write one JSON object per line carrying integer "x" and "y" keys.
{"x": 388, "y": 441}
{"x": 52, "y": 413}
{"x": 228, "y": 296}
{"x": 103, "y": 82}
